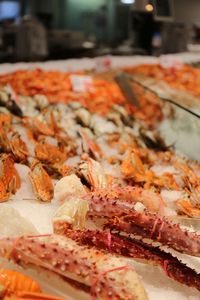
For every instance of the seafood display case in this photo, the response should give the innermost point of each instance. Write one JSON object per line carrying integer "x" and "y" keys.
{"x": 99, "y": 195}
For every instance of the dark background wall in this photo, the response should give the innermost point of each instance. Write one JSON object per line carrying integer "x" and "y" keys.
{"x": 80, "y": 14}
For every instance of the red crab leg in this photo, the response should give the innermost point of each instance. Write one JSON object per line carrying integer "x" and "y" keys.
{"x": 122, "y": 216}
{"x": 131, "y": 195}
{"x": 76, "y": 264}
{"x": 129, "y": 247}
{"x": 149, "y": 225}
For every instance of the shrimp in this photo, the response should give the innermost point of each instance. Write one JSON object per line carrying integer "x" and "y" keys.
{"x": 15, "y": 285}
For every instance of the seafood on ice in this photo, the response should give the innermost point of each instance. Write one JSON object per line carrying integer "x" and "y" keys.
{"x": 113, "y": 189}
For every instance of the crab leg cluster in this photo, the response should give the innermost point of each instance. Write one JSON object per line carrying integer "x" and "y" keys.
{"x": 122, "y": 216}
{"x": 133, "y": 248}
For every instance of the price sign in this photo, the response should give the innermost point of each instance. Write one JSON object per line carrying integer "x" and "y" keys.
{"x": 170, "y": 62}
{"x": 103, "y": 64}
{"x": 81, "y": 83}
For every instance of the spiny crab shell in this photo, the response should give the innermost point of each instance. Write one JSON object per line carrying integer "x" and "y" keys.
{"x": 103, "y": 275}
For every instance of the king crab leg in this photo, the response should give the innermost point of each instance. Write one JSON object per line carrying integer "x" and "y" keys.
{"x": 133, "y": 248}
{"x": 149, "y": 225}
{"x": 122, "y": 216}
{"x": 132, "y": 195}
{"x": 64, "y": 257}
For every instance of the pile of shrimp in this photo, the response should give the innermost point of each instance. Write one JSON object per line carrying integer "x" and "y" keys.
{"x": 105, "y": 93}
{"x": 57, "y": 87}
{"x": 185, "y": 78}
